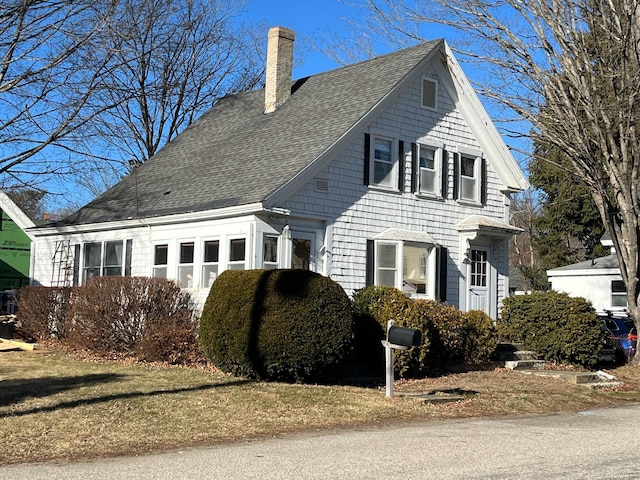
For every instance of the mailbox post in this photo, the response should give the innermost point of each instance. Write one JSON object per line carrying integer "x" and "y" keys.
{"x": 398, "y": 338}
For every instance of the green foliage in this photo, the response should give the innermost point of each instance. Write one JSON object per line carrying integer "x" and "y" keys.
{"x": 568, "y": 227}
{"x": 448, "y": 335}
{"x": 276, "y": 324}
{"x": 558, "y": 327}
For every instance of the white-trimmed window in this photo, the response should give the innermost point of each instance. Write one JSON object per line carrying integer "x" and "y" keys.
{"x": 430, "y": 93}
{"x": 270, "y": 251}
{"x": 384, "y": 164}
{"x": 404, "y": 265}
{"x": 237, "y": 254}
{"x": 111, "y": 258}
{"x": 429, "y": 170}
{"x": 210, "y": 262}
{"x": 469, "y": 178}
{"x": 618, "y": 294}
{"x": 160, "y": 259}
{"x": 185, "y": 264}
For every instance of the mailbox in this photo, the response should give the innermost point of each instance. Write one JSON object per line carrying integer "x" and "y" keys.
{"x": 403, "y": 337}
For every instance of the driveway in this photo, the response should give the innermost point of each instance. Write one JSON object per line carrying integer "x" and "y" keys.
{"x": 602, "y": 444}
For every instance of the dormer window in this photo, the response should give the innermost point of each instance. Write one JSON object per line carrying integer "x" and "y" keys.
{"x": 430, "y": 93}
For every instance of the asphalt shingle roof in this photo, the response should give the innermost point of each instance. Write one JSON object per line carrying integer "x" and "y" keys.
{"x": 234, "y": 154}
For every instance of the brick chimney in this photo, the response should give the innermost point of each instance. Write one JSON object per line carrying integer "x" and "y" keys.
{"x": 279, "y": 67}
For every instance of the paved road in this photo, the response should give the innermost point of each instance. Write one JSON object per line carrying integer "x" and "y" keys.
{"x": 601, "y": 444}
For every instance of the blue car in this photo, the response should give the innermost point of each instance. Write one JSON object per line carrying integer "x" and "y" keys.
{"x": 624, "y": 334}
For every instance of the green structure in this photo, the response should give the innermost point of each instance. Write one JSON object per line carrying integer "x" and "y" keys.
{"x": 15, "y": 245}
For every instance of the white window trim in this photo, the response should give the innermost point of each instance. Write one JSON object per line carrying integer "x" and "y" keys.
{"x": 430, "y": 271}
{"x": 194, "y": 273}
{"x": 438, "y": 164}
{"x": 437, "y": 86}
{"x": 275, "y": 264}
{"x": 153, "y": 259}
{"x": 229, "y": 262}
{"x": 102, "y": 266}
{"x": 204, "y": 281}
{"x": 394, "y": 162}
{"x": 477, "y": 172}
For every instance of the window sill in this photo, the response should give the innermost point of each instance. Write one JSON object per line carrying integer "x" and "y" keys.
{"x": 383, "y": 189}
{"x": 428, "y": 196}
{"x": 469, "y": 203}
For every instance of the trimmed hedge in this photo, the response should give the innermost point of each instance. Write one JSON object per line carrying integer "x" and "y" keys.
{"x": 292, "y": 325}
{"x": 449, "y": 336}
{"x": 558, "y": 327}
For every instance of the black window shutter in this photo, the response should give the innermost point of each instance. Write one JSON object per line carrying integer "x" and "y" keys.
{"x": 445, "y": 173}
{"x": 415, "y": 167}
{"x": 441, "y": 274}
{"x": 370, "y": 263}
{"x": 456, "y": 175}
{"x": 483, "y": 181}
{"x": 367, "y": 157}
{"x": 401, "y": 165}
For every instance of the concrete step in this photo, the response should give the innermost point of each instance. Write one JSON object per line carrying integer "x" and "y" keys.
{"x": 513, "y": 351}
{"x": 524, "y": 364}
{"x": 584, "y": 379}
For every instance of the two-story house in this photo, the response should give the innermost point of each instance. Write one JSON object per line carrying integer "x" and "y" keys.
{"x": 386, "y": 172}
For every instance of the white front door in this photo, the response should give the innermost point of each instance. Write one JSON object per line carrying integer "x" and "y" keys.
{"x": 479, "y": 280}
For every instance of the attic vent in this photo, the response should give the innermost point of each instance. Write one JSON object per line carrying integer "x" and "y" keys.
{"x": 321, "y": 186}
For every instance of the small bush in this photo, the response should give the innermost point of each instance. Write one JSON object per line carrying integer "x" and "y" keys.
{"x": 558, "y": 327}
{"x": 276, "y": 324}
{"x": 481, "y": 338}
{"x": 151, "y": 318}
{"x": 42, "y": 313}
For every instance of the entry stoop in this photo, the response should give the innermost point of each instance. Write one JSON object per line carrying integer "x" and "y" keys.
{"x": 516, "y": 358}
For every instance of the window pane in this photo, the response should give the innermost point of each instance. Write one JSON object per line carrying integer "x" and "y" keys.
{"x": 92, "y": 253}
{"x": 427, "y": 181}
{"x": 209, "y": 275}
{"x": 617, "y": 286}
{"x": 113, "y": 253}
{"x": 185, "y": 276}
{"x": 386, "y": 256}
{"x": 382, "y": 150}
{"x": 467, "y": 167}
{"x": 386, "y": 278}
{"x": 160, "y": 255}
{"x": 415, "y": 267}
{"x": 270, "y": 251}
{"x": 236, "y": 250}
{"x": 211, "y": 251}
{"x": 429, "y": 93}
{"x": 301, "y": 257}
{"x": 160, "y": 272}
{"x": 427, "y": 158}
{"x": 186, "y": 252}
{"x": 468, "y": 189}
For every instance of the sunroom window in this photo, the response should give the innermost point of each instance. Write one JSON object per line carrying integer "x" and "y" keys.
{"x": 270, "y": 252}
{"x": 210, "y": 262}
{"x": 160, "y": 257}
{"x": 237, "y": 247}
{"x": 185, "y": 266}
{"x": 111, "y": 258}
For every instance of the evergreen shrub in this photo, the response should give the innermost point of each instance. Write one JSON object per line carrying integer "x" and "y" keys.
{"x": 291, "y": 325}
{"x": 554, "y": 325}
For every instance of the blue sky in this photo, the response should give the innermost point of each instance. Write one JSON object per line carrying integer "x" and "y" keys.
{"x": 307, "y": 18}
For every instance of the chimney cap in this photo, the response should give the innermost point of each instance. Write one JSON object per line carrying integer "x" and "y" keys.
{"x": 282, "y": 32}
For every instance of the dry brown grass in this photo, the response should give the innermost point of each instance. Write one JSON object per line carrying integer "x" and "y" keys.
{"x": 54, "y": 407}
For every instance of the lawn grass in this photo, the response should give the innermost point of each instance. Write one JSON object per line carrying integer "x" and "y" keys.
{"x": 54, "y": 407}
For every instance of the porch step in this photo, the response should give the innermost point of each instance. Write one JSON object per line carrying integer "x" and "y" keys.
{"x": 584, "y": 379}
{"x": 531, "y": 364}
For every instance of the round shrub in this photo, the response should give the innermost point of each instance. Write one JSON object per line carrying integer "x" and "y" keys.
{"x": 292, "y": 325}
{"x": 558, "y": 327}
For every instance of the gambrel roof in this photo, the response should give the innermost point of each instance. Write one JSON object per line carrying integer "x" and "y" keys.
{"x": 235, "y": 154}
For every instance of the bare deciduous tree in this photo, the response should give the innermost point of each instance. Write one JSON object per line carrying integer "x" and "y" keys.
{"x": 48, "y": 71}
{"x": 172, "y": 60}
{"x": 571, "y": 69}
